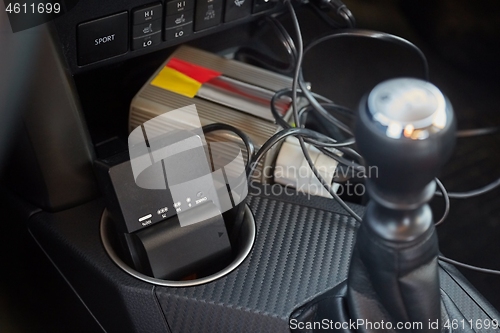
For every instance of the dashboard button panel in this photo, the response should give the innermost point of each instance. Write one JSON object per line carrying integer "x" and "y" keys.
{"x": 118, "y": 31}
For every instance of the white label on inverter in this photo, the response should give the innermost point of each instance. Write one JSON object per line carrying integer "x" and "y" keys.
{"x": 145, "y": 217}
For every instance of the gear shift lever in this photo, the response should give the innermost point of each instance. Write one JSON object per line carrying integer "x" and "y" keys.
{"x": 405, "y": 132}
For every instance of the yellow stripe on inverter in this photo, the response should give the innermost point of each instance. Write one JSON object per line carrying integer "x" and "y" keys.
{"x": 172, "y": 80}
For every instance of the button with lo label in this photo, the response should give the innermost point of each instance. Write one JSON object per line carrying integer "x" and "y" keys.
{"x": 146, "y": 41}
{"x": 102, "y": 38}
{"x": 179, "y": 32}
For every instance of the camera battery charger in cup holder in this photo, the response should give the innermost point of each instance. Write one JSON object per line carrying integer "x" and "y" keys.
{"x": 176, "y": 201}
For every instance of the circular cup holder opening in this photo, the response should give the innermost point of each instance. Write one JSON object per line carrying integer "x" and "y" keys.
{"x": 243, "y": 247}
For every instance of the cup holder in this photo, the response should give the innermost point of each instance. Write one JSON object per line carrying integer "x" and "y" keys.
{"x": 246, "y": 240}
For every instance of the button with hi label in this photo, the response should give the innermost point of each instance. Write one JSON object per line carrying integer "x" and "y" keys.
{"x": 177, "y": 6}
{"x": 147, "y": 14}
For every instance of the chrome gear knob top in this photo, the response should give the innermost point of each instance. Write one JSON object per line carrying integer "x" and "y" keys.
{"x": 406, "y": 131}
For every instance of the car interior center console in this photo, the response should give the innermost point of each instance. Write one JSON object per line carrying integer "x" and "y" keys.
{"x": 297, "y": 259}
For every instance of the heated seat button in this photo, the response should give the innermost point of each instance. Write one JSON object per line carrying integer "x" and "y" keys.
{"x": 147, "y": 14}
{"x": 178, "y": 19}
{"x": 208, "y": 14}
{"x": 102, "y": 38}
{"x": 148, "y": 23}
{"x": 237, "y": 9}
{"x": 144, "y": 29}
{"x": 177, "y": 6}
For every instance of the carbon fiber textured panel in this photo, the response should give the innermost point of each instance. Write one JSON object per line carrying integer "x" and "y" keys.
{"x": 299, "y": 252}
{"x": 472, "y": 305}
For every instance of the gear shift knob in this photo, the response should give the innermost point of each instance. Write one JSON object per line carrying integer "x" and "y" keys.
{"x": 406, "y": 131}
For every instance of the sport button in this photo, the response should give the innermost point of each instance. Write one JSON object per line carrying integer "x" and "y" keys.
{"x": 102, "y": 38}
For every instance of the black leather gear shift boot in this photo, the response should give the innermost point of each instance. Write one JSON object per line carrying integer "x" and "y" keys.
{"x": 391, "y": 284}
{"x": 329, "y": 313}
{"x": 394, "y": 281}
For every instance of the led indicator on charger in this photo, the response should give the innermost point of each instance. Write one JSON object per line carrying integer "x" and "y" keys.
{"x": 162, "y": 210}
